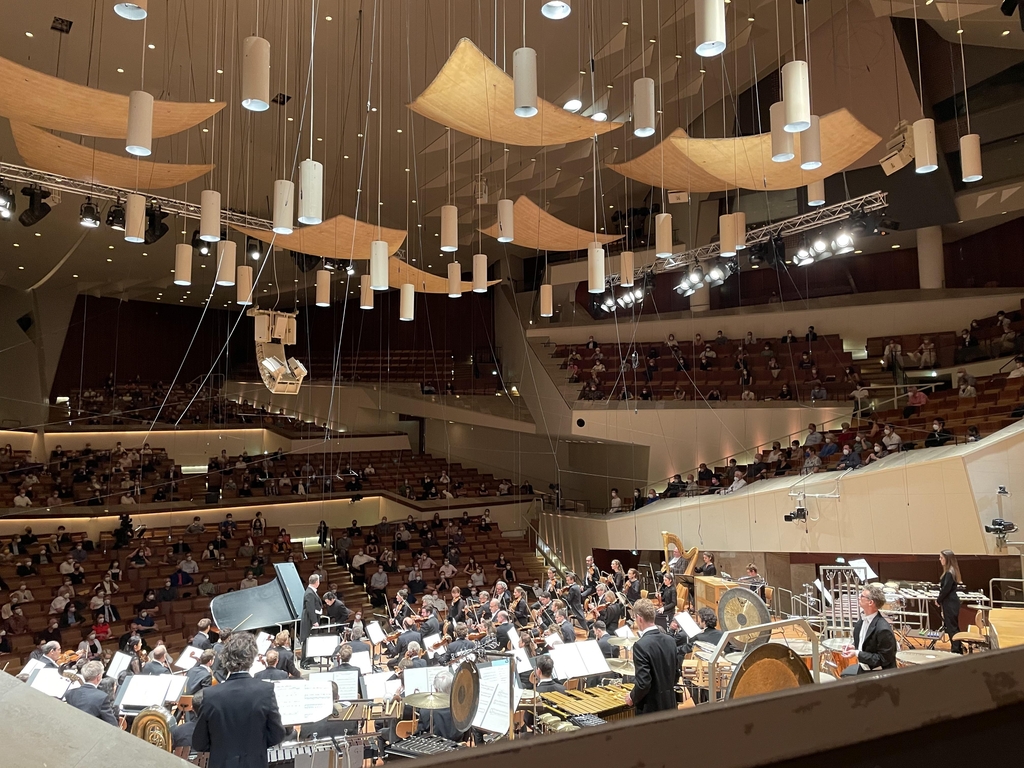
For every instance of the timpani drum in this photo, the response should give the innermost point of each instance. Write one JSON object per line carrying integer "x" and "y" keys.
{"x": 832, "y": 652}
{"x": 918, "y": 656}
{"x": 802, "y": 648}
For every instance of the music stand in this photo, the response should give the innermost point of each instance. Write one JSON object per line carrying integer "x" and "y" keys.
{"x": 321, "y": 647}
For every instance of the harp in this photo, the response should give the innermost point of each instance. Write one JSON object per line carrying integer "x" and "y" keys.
{"x": 685, "y": 560}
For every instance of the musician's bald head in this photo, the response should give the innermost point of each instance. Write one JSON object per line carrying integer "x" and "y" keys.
{"x": 501, "y": 617}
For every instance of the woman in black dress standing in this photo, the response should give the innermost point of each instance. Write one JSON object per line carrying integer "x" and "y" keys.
{"x": 948, "y": 599}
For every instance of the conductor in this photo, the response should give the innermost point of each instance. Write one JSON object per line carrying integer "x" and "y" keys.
{"x": 239, "y": 720}
{"x": 657, "y": 668}
{"x": 312, "y": 609}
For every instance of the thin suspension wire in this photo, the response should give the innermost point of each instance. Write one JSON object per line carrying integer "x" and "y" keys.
{"x": 963, "y": 66}
{"x": 917, "y": 45}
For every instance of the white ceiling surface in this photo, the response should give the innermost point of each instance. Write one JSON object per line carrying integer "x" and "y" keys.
{"x": 851, "y": 65}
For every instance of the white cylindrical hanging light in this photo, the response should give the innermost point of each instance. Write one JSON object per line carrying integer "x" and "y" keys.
{"x": 139, "y": 139}
{"x": 226, "y": 262}
{"x": 626, "y": 269}
{"x": 595, "y": 268}
{"x": 183, "y": 264}
{"x": 243, "y": 285}
{"x": 782, "y": 142}
{"x": 407, "y": 305}
{"x": 365, "y": 292}
{"x": 454, "y": 280}
{"x": 209, "y": 216}
{"x": 796, "y": 95}
{"x": 256, "y": 74}
{"x": 810, "y": 146}
{"x": 284, "y": 202}
{"x": 524, "y": 79}
{"x": 926, "y": 158}
{"x": 132, "y": 11}
{"x": 556, "y": 9}
{"x": 547, "y": 304}
{"x": 323, "y": 288}
{"x": 970, "y": 157}
{"x": 710, "y": 18}
{"x": 663, "y": 235}
{"x": 740, "y": 229}
{"x": 816, "y": 193}
{"x": 379, "y": 265}
{"x": 311, "y": 192}
{"x": 449, "y": 228}
{"x": 643, "y": 107}
{"x": 727, "y": 234}
{"x": 135, "y": 218}
{"x": 479, "y": 273}
{"x": 506, "y": 220}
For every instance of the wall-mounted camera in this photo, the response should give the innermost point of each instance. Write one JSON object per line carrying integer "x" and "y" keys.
{"x": 800, "y": 513}
{"x": 1001, "y": 528}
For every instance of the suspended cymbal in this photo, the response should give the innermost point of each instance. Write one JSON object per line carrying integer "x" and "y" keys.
{"x": 429, "y": 700}
{"x": 625, "y": 642}
{"x": 622, "y": 666}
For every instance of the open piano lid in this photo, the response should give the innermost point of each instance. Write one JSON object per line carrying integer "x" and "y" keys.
{"x": 276, "y": 602}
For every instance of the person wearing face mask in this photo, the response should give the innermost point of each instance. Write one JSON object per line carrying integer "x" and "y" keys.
{"x": 939, "y": 435}
{"x": 877, "y": 452}
{"x": 207, "y": 588}
{"x": 850, "y": 460}
{"x": 891, "y": 440}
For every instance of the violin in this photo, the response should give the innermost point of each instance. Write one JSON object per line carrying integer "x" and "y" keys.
{"x": 68, "y": 657}
{"x": 474, "y": 636}
{"x": 445, "y": 639}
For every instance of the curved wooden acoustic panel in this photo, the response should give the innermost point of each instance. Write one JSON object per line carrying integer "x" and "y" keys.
{"x": 400, "y": 273}
{"x": 50, "y": 102}
{"x": 45, "y": 152}
{"x": 472, "y": 95}
{"x": 537, "y": 229}
{"x": 714, "y": 165}
{"x": 340, "y": 237}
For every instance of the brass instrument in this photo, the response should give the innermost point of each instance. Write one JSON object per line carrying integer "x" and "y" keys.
{"x": 690, "y": 555}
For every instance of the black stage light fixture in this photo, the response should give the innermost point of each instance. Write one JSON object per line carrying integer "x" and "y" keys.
{"x": 37, "y": 209}
{"x": 115, "y": 216}
{"x": 201, "y": 246}
{"x": 252, "y": 248}
{"x": 8, "y": 203}
{"x": 156, "y": 227}
{"x": 89, "y": 214}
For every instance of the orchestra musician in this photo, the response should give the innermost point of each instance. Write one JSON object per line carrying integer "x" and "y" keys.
{"x": 574, "y": 600}
{"x": 501, "y": 629}
{"x": 431, "y": 624}
{"x": 239, "y": 720}
{"x": 545, "y": 668}
{"x": 157, "y": 664}
{"x": 439, "y": 722}
{"x": 632, "y": 586}
{"x": 618, "y": 576}
{"x": 948, "y": 600}
{"x": 591, "y": 578}
{"x": 358, "y": 646}
{"x": 657, "y": 668}
{"x": 520, "y": 607}
{"x": 565, "y": 628}
{"x": 501, "y": 594}
{"x": 874, "y": 644}
{"x": 202, "y": 637}
{"x": 285, "y": 656}
{"x": 613, "y": 611}
{"x": 608, "y": 650}
{"x": 402, "y": 609}
{"x": 89, "y": 698}
{"x": 200, "y": 675}
{"x": 708, "y": 568}
{"x": 272, "y": 672}
{"x": 457, "y": 613}
{"x": 343, "y": 665}
{"x": 668, "y": 598}
{"x": 461, "y": 641}
{"x": 409, "y": 635}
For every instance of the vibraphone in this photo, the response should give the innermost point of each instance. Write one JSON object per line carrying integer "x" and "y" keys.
{"x": 908, "y": 607}
{"x": 321, "y": 753}
{"x": 604, "y": 701}
{"x": 422, "y": 746}
{"x": 388, "y": 710}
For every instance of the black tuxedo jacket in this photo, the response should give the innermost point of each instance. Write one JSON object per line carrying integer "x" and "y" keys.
{"x": 238, "y": 722}
{"x": 711, "y": 636}
{"x": 201, "y": 641}
{"x": 608, "y": 650}
{"x": 501, "y": 633}
{"x": 567, "y": 632}
{"x": 92, "y": 701}
{"x": 879, "y": 651}
{"x": 271, "y": 673}
{"x": 657, "y": 670}
{"x": 196, "y": 679}
{"x": 286, "y": 661}
{"x": 311, "y": 606}
{"x": 407, "y": 637}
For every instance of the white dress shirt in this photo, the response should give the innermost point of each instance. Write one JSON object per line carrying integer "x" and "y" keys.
{"x": 865, "y": 627}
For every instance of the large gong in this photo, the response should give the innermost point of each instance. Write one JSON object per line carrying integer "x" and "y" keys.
{"x": 465, "y": 695}
{"x": 767, "y": 668}
{"x": 740, "y": 607}
{"x": 153, "y": 724}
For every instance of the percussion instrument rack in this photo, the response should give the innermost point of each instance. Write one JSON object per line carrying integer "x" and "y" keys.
{"x": 321, "y": 753}
{"x": 604, "y": 701}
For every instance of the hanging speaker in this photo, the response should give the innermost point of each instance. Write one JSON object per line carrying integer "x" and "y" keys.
{"x": 407, "y": 305}
{"x": 243, "y": 285}
{"x": 506, "y": 221}
{"x": 183, "y": 264}
{"x": 379, "y": 265}
{"x": 626, "y": 269}
{"x": 323, "y": 288}
{"x": 547, "y": 308}
{"x": 454, "y": 280}
{"x": 479, "y": 273}
{"x": 209, "y": 216}
{"x": 365, "y": 292}
{"x": 595, "y": 268}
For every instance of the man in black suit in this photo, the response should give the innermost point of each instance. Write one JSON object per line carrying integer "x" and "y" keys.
{"x": 874, "y": 643}
{"x": 460, "y": 643}
{"x": 613, "y": 611}
{"x": 545, "y": 668}
{"x": 200, "y": 676}
{"x": 707, "y": 619}
{"x": 335, "y": 610}
{"x": 657, "y": 668}
{"x": 501, "y": 628}
{"x": 343, "y": 665}
{"x": 50, "y": 653}
{"x": 565, "y": 627}
{"x": 202, "y": 637}
{"x": 181, "y": 735}
{"x": 409, "y": 635}
{"x": 358, "y": 646}
{"x": 312, "y": 609}
{"x": 89, "y": 698}
{"x": 608, "y": 650}
{"x": 239, "y": 720}
{"x": 157, "y": 664}
{"x": 272, "y": 672}
{"x": 285, "y": 657}
{"x": 574, "y": 600}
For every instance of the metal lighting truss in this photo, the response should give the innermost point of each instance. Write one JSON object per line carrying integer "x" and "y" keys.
{"x": 53, "y": 181}
{"x": 813, "y": 220}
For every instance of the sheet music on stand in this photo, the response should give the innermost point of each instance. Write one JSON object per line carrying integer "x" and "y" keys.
{"x": 523, "y": 662}
{"x": 118, "y": 664}
{"x": 257, "y": 667}
{"x": 419, "y": 680}
{"x": 322, "y": 646}
{"x": 141, "y": 691}
{"x": 430, "y": 641}
{"x": 31, "y": 666}
{"x": 49, "y": 681}
{"x": 513, "y": 637}
{"x": 362, "y": 660}
{"x": 375, "y": 633}
{"x": 553, "y": 639}
{"x": 687, "y": 624}
{"x": 579, "y": 660}
{"x": 346, "y": 680}
{"x": 189, "y": 658}
{"x": 263, "y": 642}
{"x": 494, "y": 712}
{"x": 304, "y": 701}
{"x": 863, "y": 570}
{"x": 175, "y": 687}
{"x": 381, "y": 685}
{"x": 625, "y": 631}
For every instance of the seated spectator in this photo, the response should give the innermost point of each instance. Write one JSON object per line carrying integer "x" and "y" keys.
{"x": 714, "y": 396}
{"x": 789, "y": 338}
{"x": 707, "y": 358}
{"x": 671, "y": 342}
{"x": 916, "y": 399}
{"x": 249, "y": 581}
{"x": 721, "y": 338}
{"x": 814, "y": 437}
{"x": 967, "y": 347}
{"x": 748, "y": 395}
{"x": 703, "y": 473}
{"x": 767, "y": 351}
{"x": 675, "y": 487}
{"x": 775, "y": 453}
{"x": 645, "y": 394}
{"x": 806, "y": 362}
{"x": 890, "y": 440}
{"x": 924, "y": 356}
{"x": 774, "y": 368}
{"x": 1018, "y": 369}
{"x": 852, "y": 376}
{"x": 757, "y": 469}
{"x": 966, "y": 390}
{"x": 973, "y": 434}
{"x": 738, "y": 482}
{"x": 818, "y": 392}
{"x": 892, "y": 357}
{"x": 746, "y": 379}
{"x": 830, "y": 447}
{"x": 877, "y": 452}
{"x": 812, "y": 463}
{"x": 615, "y": 506}
{"x": 742, "y": 359}
{"x": 784, "y": 393}
{"x": 811, "y": 335}
{"x": 939, "y": 435}
{"x": 678, "y": 394}
{"x": 591, "y": 344}
{"x": 850, "y": 460}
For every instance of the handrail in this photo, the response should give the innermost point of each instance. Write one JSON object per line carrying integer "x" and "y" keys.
{"x": 1001, "y": 601}
{"x": 545, "y": 552}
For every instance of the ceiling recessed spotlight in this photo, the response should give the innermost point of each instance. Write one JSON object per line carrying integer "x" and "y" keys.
{"x": 897, "y": 245}
{"x": 959, "y": 31}
{"x": 414, "y": 202}
{"x": 328, "y": 18}
{"x": 702, "y": 70}
{"x": 610, "y": 85}
{"x": 220, "y": 71}
{"x": 110, "y": 247}
{"x": 17, "y": 245}
{"x": 373, "y": 109}
{"x": 398, "y": 130}
{"x": 599, "y": 117}
{"x": 40, "y": 234}
{"x": 291, "y": 119}
{"x": 750, "y": 18}
{"x": 20, "y": 267}
{"x": 359, "y": 135}
{"x": 29, "y": 34}
{"x": 109, "y": 261}
{"x": 213, "y": 101}
{"x": 120, "y": 71}
{"x": 556, "y": 9}
{"x": 74, "y": 275}
{"x": 652, "y": 40}
{"x": 1006, "y": 32}
{"x": 151, "y": 47}
{"x": 856, "y": 252}
{"x": 206, "y": 130}
{"x": 625, "y": 23}
{"x": 572, "y": 105}
{"x": 344, "y": 157}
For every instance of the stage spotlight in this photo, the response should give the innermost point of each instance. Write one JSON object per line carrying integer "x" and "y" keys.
{"x": 252, "y": 248}
{"x": 803, "y": 257}
{"x": 37, "y": 209}
{"x": 155, "y": 225}
{"x": 842, "y": 242}
{"x": 819, "y": 244}
{"x": 696, "y": 275}
{"x": 201, "y": 246}
{"x": 88, "y": 214}
{"x": 115, "y": 216}
{"x": 350, "y": 269}
{"x": 8, "y": 204}
{"x": 716, "y": 273}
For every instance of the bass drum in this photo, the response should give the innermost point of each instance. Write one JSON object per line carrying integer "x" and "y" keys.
{"x": 153, "y": 724}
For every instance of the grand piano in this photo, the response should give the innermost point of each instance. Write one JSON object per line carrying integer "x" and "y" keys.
{"x": 276, "y": 603}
